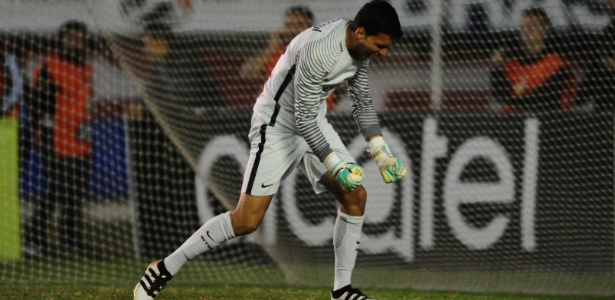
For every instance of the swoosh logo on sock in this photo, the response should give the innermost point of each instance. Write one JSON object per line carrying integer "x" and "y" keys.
{"x": 206, "y": 243}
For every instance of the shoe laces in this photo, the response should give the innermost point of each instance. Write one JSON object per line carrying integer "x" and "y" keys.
{"x": 358, "y": 294}
{"x": 156, "y": 281}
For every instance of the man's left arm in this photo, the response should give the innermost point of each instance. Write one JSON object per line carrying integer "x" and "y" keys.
{"x": 391, "y": 168}
{"x": 362, "y": 106}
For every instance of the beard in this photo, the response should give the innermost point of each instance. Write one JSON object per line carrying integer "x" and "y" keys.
{"x": 361, "y": 53}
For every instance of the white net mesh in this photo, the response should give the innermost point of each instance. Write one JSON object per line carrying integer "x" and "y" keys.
{"x": 502, "y": 111}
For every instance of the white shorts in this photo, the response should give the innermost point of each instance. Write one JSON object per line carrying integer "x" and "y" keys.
{"x": 275, "y": 152}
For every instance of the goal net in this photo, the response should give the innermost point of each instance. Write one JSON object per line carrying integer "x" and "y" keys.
{"x": 118, "y": 146}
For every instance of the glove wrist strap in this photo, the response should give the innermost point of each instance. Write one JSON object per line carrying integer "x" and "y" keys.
{"x": 333, "y": 162}
{"x": 379, "y": 149}
{"x": 376, "y": 142}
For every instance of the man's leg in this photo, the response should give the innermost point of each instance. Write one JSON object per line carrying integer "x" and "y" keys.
{"x": 347, "y": 231}
{"x": 245, "y": 219}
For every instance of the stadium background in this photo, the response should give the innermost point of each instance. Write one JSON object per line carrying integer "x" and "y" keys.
{"x": 560, "y": 242}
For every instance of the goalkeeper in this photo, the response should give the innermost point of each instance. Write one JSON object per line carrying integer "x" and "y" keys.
{"x": 289, "y": 130}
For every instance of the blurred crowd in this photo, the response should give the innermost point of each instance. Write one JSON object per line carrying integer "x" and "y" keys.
{"x": 527, "y": 73}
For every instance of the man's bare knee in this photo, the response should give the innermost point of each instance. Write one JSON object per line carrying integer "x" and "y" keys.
{"x": 354, "y": 202}
{"x": 244, "y": 224}
{"x": 249, "y": 213}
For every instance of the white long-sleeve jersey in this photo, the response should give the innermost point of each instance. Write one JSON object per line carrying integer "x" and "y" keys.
{"x": 313, "y": 64}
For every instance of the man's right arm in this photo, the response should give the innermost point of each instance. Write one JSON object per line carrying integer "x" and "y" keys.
{"x": 314, "y": 61}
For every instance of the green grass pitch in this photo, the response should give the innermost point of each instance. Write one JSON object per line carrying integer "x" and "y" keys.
{"x": 207, "y": 292}
{"x": 9, "y": 201}
{"x": 57, "y": 280}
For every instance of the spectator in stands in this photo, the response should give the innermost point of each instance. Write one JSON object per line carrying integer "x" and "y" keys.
{"x": 532, "y": 76}
{"x": 177, "y": 73}
{"x": 297, "y": 19}
{"x": 62, "y": 89}
{"x": 598, "y": 86}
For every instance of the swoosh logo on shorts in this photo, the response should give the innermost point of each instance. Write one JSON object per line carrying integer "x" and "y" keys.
{"x": 266, "y": 186}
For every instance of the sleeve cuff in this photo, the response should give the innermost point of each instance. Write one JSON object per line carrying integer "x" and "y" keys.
{"x": 371, "y": 131}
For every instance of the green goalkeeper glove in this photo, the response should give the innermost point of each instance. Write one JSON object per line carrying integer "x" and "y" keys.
{"x": 391, "y": 168}
{"x": 348, "y": 175}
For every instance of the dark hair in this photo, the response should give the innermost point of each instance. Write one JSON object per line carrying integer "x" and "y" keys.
{"x": 70, "y": 26}
{"x": 538, "y": 12}
{"x": 301, "y": 10}
{"x": 378, "y": 17}
{"x": 158, "y": 31}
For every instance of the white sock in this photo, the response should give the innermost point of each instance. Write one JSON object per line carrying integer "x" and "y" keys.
{"x": 213, "y": 233}
{"x": 346, "y": 236}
